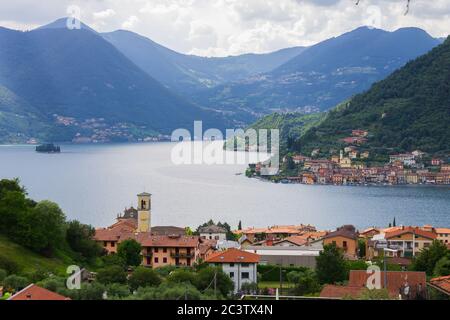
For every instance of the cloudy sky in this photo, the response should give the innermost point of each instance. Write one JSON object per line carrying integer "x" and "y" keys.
{"x": 230, "y": 27}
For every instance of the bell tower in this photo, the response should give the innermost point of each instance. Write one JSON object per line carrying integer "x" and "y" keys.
{"x": 144, "y": 212}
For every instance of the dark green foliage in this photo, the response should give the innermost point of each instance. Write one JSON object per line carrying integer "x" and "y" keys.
{"x": 271, "y": 273}
{"x": 182, "y": 276}
{"x": 168, "y": 291}
{"x": 117, "y": 291}
{"x": 331, "y": 266}
{"x": 427, "y": 259}
{"x": 80, "y": 239}
{"x": 42, "y": 228}
{"x": 112, "y": 274}
{"x": 361, "y": 248}
{"x": 442, "y": 267}
{"x": 143, "y": 277}
{"x": 130, "y": 252}
{"x": 8, "y": 265}
{"x": 3, "y": 275}
{"x": 249, "y": 288}
{"x": 15, "y": 283}
{"x": 407, "y": 111}
{"x": 306, "y": 282}
{"x": 205, "y": 280}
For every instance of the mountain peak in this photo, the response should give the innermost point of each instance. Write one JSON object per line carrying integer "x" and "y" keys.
{"x": 64, "y": 23}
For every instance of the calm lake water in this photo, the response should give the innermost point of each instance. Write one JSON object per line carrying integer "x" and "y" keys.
{"x": 93, "y": 183}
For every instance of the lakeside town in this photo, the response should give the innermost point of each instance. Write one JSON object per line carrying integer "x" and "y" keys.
{"x": 351, "y": 166}
{"x": 279, "y": 262}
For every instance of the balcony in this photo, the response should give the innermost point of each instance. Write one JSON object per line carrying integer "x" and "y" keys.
{"x": 182, "y": 255}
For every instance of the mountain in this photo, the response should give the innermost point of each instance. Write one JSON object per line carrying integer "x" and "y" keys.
{"x": 186, "y": 74}
{"x": 407, "y": 111}
{"x": 77, "y": 82}
{"x": 323, "y": 75}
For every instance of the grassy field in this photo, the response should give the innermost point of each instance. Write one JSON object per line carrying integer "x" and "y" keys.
{"x": 29, "y": 261}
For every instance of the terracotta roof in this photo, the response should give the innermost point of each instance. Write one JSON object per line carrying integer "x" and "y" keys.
{"x": 443, "y": 283}
{"x": 331, "y": 291}
{"x": 297, "y": 240}
{"x": 344, "y": 231}
{"x": 417, "y": 231}
{"x": 148, "y": 240}
{"x": 34, "y": 292}
{"x": 442, "y": 230}
{"x": 167, "y": 231}
{"x": 395, "y": 280}
{"x": 233, "y": 256}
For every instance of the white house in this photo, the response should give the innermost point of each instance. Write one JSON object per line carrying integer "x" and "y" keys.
{"x": 213, "y": 232}
{"x": 240, "y": 266}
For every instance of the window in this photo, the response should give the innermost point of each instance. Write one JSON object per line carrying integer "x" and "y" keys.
{"x": 416, "y": 244}
{"x": 217, "y": 237}
{"x": 245, "y": 275}
{"x": 164, "y": 260}
{"x": 156, "y": 260}
{"x": 156, "y": 250}
{"x": 245, "y": 265}
{"x": 113, "y": 244}
{"x": 426, "y": 245}
{"x": 231, "y": 265}
{"x": 149, "y": 261}
{"x": 344, "y": 244}
{"x": 165, "y": 250}
{"x": 231, "y": 275}
{"x": 105, "y": 243}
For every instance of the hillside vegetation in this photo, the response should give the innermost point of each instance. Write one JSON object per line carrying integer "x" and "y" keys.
{"x": 407, "y": 111}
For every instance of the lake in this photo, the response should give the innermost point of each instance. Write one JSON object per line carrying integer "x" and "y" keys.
{"x": 93, "y": 183}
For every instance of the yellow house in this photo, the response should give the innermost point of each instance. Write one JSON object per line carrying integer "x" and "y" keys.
{"x": 345, "y": 238}
{"x": 443, "y": 235}
{"x": 409, "y": 241}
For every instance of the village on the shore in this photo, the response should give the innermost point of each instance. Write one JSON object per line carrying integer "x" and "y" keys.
{"x": 350, "y": 166}
{"x": 241, "y": 253}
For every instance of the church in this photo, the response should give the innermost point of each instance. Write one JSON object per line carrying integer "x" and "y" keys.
{"x": 161, "y": 245}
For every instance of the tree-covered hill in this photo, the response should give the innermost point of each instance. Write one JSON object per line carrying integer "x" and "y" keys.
{"x": 407, "y": 111}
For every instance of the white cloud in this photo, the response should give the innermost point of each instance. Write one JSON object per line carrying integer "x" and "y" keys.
{"x": 130, "y": 22}
{"x": 104, "y": 14}
{"x": 224, "y": 27}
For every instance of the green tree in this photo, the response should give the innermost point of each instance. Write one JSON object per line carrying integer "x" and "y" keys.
{"x": 330, "y": 265}
{"x": 427, "y": 259}
{"x": 43, "y": 228}
{"x": 306, "y": 282}
{"x": 362, "y": 248}
{"x": 209, "y": 277}
{"x": 3, "y": 275}
{"x": 15, "y": 283}
{"x": 112, "y": 274}
{"x": 376, "y": 294}
{"x": 80, "y": 239}
{"x": 130, "y": 251}
{"x": 117, "y": 291}
{"x": 182, "y": 276}
{"x": 143, "y": 277}
{"x": 442, "y": 267}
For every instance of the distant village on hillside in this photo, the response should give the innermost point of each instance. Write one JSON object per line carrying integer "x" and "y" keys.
{"x": 350, "y": 167}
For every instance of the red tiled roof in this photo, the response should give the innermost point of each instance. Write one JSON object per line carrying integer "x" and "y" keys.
{"x": 331, "y": 291}
{"x": 442, "y": 283}
{"x": 233, "y": 256}
{"x": 34, "y": 292}
{"x": 149, "y": 240}
{"x": 417, "y": 231}
{"x": 395, "y": 280}
{"x": 297, "y": 240}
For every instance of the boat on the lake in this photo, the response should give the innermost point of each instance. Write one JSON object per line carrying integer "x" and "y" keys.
{"x": 48, "y": 148}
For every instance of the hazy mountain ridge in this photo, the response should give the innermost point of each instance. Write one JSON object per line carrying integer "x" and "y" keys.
{"x": 323, "y": 75}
